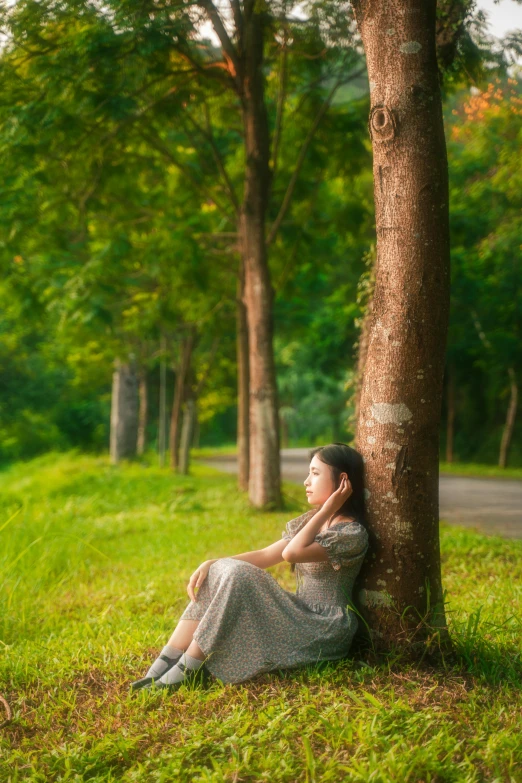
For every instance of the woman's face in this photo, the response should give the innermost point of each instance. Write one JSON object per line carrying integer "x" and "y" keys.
{"x": 319, "y": 483}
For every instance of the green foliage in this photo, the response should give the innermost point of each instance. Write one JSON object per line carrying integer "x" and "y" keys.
{"x": 485, "y": 136}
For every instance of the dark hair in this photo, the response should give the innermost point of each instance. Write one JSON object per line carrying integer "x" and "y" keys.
{"x": 343, "y": 459}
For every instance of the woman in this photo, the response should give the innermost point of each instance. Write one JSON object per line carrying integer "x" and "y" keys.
{"x": 242, "y": 622}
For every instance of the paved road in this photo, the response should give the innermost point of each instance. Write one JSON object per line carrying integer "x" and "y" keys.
{"x": 490, "y": 505}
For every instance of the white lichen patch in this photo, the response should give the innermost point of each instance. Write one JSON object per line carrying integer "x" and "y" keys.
{"x": 367, "y": 494}
{"x": 389, "y": 494}
{"x": 369, "y": 423}
{"x": 391, "y": 413}
{"x": 381, "y": 582}
{"x": 391, "y": 445}
{"x": 371, "y": 440}
{"x": 373, "y": 85}
{"x": 390, "y": 31}
{"x": 390, "y": 465}
{"x": 395, "y": 500}
{"x": 374, "y": 598}
{"x": 410, "y": 47}
{"x": 389, "y": 570}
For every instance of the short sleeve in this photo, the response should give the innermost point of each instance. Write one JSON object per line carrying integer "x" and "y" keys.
{"x": 295, "y": 525}
{"x": 344, "y": 544}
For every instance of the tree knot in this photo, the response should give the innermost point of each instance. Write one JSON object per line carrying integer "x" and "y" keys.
{"x": 382, "y": 124}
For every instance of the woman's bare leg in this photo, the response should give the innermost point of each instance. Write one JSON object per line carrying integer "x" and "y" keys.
{"x": 182, "y": 638}
{"x": 183, "y": 633}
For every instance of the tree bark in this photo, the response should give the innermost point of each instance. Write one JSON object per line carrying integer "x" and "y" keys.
{"x": 187, "y": 432}
{"x": 450, "y": 414}
{"x": 187, "y": 347}
{"x": 124, "y": 412}
{"x": 143, "y": 411}
{"x": 509, "y": 426}
{"x": 362, "y": 352}
{"x": 162, "y": 420}
{"x": 264, "y": 476}
{"x": 243, "y": 388}
{"x": 400, "y": 404}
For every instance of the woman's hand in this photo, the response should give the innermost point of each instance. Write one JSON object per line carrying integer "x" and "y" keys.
{"x": 198, "y": 577}
{"x": 339, "y": 497}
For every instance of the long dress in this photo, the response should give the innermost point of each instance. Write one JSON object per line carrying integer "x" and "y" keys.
{"x": 249, "y": 624}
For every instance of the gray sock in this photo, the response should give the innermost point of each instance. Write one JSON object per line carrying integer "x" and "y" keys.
{"x": 184, "y": 667}
{"x": 160, "y": 665}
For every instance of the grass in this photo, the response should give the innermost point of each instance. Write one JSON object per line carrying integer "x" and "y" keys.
{"x": 94, "y": 562}
{"x": 479, "y": 470}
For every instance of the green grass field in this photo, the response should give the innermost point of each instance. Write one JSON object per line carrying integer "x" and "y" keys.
{"x": 94, "y": 562}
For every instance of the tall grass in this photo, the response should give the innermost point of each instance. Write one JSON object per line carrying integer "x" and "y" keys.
{"x": 94, "y": 562}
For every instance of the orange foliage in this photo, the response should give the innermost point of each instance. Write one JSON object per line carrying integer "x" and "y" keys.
{"x": 488, "y": 103}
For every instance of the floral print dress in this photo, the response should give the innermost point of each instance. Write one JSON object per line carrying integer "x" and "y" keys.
{"x": 249, "y": 624}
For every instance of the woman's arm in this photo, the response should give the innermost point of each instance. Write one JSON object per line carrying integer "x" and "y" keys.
{"x": 302, "y": 547}
{"x": 262, "y": 558}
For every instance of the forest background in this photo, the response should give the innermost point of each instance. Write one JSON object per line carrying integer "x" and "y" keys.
{"x": 116, "y": 237}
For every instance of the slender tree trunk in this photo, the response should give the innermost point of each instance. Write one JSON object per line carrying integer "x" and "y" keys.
{"x": 243, "y": 388}
{"x": 187, "y": 346}
{"x": 162, "y": 423}
{"x": 124, "y": 412}
{"x": 510, "y": 419}
{"x": 187, "y": 432}
{"x": 400, "y": 405}
{"x": 450, "y": 421}
{"x": 143, "y": 411}
{"x": 265, "y": 476}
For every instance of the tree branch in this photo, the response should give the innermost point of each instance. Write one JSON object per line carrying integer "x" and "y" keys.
{"x": 280, "y": 107}
{"x": 161, "y": 148}
{"x": 209, "y": 136}
{"x": 301, "y": 157}
{"x": 229, "y": 52}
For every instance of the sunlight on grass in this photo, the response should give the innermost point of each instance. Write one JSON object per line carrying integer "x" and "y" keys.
{"x": 94, "y": 562}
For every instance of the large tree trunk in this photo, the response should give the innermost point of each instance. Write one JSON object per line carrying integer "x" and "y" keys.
{"x": 450, "y": 413}
{"x": 265, "y": 477}
{"x": 400, "y": 403}
{"x": 143, "y": 412}
{"x": 243, "y": 387}
{"x": 124, "y": 412}
{"x": 510, "y": 419}
{"x": 187, "y": 346}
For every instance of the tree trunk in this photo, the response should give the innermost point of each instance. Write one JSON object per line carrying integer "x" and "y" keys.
{"x": 187, "y": 432}
{"x": 143, "y": 412}
{"x": 265, "y": 477}
{"x": 187, "y": 346}
{"x": 162, "y": 422}
{"x": 124, "y": 412}
{"x": 400, "y": 404}
{"x": 450, "y": 420}
{"x": 510, "y": 420}
{"x": 243, "y": 385}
